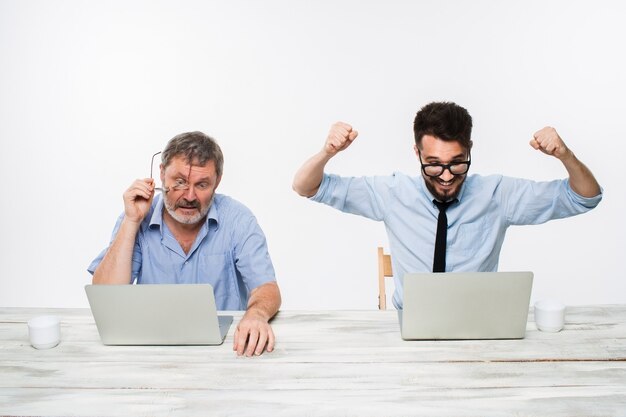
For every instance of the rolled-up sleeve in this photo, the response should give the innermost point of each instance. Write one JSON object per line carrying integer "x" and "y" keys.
{"x": 532, "y": 202}
{"x": 364, "y": 196}
{"x": 251, "y": 255}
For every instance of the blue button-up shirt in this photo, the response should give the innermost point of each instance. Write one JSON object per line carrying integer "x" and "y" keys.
{"x": 230, "y": 253}
{"x": 487, "y": 206}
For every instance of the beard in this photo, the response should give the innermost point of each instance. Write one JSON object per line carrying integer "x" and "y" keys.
{"x": 448, "y": 194}
{"x": 171, "y": 208}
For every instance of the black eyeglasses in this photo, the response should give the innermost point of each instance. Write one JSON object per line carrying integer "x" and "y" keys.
{"x": 455, "y": 168}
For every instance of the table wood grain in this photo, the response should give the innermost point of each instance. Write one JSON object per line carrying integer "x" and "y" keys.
{"x": 326, "y": 363}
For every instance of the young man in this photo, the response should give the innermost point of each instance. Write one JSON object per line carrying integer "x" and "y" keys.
{"x": 190, "y": 234}
{"x": 445, "y": 220}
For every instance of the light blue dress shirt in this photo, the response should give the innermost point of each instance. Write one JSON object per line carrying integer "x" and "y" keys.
{"x": 230, "y": 253}
{"x": 487, "y": 206}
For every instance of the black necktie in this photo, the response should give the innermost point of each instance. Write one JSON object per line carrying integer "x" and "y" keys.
{"x": 439, "y": 262}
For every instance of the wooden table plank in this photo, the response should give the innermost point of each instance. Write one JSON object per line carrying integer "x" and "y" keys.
{"x": 400, "y": 401}
{"x": 252, "y": 373}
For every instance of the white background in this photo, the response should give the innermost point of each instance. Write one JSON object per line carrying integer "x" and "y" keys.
{"x": 90, "y": 90}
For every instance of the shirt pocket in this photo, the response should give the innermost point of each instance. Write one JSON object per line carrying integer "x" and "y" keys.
{"x": 218, "y": 270}
{"x": 471, "y": 237}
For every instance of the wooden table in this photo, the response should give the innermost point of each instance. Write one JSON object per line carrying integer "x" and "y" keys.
{"x": 326, "y": 363}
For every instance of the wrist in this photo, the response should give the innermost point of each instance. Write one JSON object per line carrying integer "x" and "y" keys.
{"x": 568, "y": 156}
{"x": 257, "y": 313}
{"x": 325, "y": 154}
{"x": 130, "y": 223}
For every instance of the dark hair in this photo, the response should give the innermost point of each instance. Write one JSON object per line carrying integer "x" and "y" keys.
{"x": 443, "y": 120}
{"x": 197, "y": 148}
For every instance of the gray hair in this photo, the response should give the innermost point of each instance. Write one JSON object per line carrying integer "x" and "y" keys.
{"x": 197, "y": 148}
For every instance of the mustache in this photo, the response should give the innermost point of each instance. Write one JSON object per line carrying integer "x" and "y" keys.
{"x": 188, "y": 204}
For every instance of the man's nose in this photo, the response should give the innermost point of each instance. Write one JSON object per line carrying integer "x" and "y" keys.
{"x": 190, "y": 193}
{"x": 446, "y": 175}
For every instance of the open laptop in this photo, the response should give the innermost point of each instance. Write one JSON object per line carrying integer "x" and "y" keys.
{"x": 465, "y": 305}
{"x": 157, "y": 314}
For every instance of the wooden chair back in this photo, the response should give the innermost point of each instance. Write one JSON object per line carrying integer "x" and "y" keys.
{"x": 384, "y": 271}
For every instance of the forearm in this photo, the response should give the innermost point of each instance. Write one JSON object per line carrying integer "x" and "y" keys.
{"x": 309, "y": 177}
{"x": 264, "y": 301}
{"x": 581, "y": 179}
{"x": 116, "y": 266}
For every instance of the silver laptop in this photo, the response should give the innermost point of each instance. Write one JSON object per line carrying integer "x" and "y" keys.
{"x": 157, "y": 314}
{"x": 465, "y": 305}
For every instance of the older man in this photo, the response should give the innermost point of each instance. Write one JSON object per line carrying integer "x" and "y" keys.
{"x": 189, "y": 234}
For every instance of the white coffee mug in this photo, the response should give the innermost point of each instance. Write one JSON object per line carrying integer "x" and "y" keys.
{"x": 44, "y": 332}
{"x": 549, "y": 315}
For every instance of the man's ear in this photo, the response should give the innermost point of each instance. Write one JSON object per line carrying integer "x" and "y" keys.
{"x": 219, "y": 179}
{"x": 162, "y": 174}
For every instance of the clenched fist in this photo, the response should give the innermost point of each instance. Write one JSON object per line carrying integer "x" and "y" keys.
{"x": 339, "y": 138}
{"x": 548, "y": 141}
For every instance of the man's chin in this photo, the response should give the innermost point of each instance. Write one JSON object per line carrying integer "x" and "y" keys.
{"x": 445, "y": 193}
{"x": 188, "y": 219}
{"x": 187, "y": 212}
{"x": 180, "y": 216}
{"x": 448, "y": 194}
